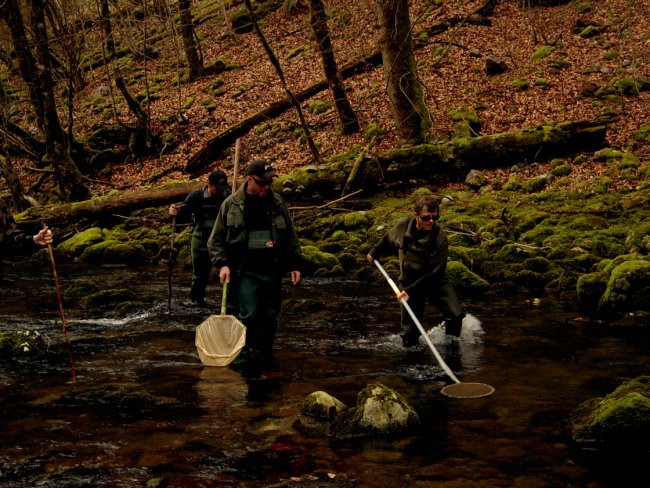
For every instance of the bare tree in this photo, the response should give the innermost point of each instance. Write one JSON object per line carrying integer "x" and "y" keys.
{"x": 109, "y": 41}
{"x": 318, "y": 21}
{"x": 276, "y": 64}
{"x": 188, "y": 33}
{"x": 36, "y": 70}
{"x": 405, "y": 93}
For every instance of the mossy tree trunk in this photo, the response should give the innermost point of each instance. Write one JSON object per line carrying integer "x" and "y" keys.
{"x": 318, "y": 21}
{"x": 448, "y": 161}
{"x": 405, "y": 93}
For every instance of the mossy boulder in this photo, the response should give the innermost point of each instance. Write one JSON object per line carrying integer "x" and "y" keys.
{"x": 79, "y": 289}
{"x": 379, "y": 411}
{"x": 628, "y": 289}
{"x": 116, "y": 252}
{"x": 77, "y": 244}
{"x": 619, "y": 420}
{"x": 315, "y": 260}
{"x": 464, "y": 280}
{"x": 104, "y": 298}
{"x": 17, "y": 344}
{"x": 322, "y": 406}
{"x": 590, "y": 288}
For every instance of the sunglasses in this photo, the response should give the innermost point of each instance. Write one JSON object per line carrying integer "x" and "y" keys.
{"x": 428, "y": 218}
{"x": 263, "y": 182}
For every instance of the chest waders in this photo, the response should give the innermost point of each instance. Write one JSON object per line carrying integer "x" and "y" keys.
{"x": 201, "y": 264}
{"x": 414, "y": 262}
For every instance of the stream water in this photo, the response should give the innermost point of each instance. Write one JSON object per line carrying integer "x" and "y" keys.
{"x": 234, "y": 426}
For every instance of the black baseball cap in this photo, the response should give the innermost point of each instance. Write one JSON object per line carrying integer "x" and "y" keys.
{"x": 219, "y": 180}
{"x": 262, "y": 169}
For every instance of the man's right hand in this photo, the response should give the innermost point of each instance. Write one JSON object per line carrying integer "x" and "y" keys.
{"x": 224, "y": 274}
{"x": 370, "y": 258}
{"x": 173, "y": 209}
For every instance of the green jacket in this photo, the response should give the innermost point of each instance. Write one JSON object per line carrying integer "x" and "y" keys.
{"x": 420, "y": 259}
{"x": 229, "y": 239}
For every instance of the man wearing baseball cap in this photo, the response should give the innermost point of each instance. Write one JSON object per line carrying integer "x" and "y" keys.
{"x": 253, "y": 245}
{"x": 203, "y": 205}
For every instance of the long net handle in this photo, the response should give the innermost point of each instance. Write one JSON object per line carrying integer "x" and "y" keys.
{"x": 224, "y": 296}
{"x": 442, "y": 364}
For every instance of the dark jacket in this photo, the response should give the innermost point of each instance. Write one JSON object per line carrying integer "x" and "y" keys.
{"x": 12, "y": 241}
{"x": 421, "y": 259}
{"x": 201, "y": 205}
{"x": 228, "y": 241}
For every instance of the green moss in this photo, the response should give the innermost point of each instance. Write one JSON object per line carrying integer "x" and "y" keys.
{"x": 373, "y": 131}
{"x": 316, "y": 260}
{"x": 542, "y": 53}
{"x": 562, "y": 170}
{"x": 75, "y": 245}
{"x": 589, "y": 31}
{"x": 519, "y": 84}
{"x": 590, "y": 288}
{"x": 317, "y": 107}
{"x": 80, "y": 289}
{"x": 464, "y": 280}
{"x": 104, "y": 298}
{"x": 115, "y": 252}
{"x": 558, "y": 64}
{"x": 628, "y": 288}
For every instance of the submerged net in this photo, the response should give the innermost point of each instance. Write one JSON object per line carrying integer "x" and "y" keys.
{"x": 219, "y": 339}
{"x": 467, "y": 390}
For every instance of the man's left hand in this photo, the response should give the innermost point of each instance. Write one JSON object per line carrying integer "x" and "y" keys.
{"x": 44, "y": 237}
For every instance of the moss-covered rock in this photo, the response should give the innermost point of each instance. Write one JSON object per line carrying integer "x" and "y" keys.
{"x": 116, "y": 252}
{"x": 316, "y": 260}
{"x": 323, "y": 406}
{"x": 628, "y": 288}
{"x": 620, "y": 419}
{"x": 21, "y": 344}
{"x": 77, "y": 244}
{"x": 590, "y": 288}
{"x": 379, "y": 411}
{"x": 79, "y": 289}
{"x": 104, "y": 298}
{"x": 464, "y": 280}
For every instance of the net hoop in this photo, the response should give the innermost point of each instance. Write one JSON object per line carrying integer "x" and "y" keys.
{"x": 467, "y": 390}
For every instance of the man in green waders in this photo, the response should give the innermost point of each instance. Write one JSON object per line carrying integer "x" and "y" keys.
{"x": 253, "y": 245}
{"x": 423, "y": 251}
{"x": 203, "y": 205}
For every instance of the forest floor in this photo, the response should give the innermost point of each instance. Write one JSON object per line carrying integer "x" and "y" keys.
{"x": 552, "y": 73}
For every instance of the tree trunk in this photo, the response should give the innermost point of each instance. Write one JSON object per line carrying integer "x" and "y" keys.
{"x": 278, "y": 69}
{"x": 410, "y": 112}
{"x": 189, "y": 39}
{"x": 318, "y": 21}
{"x": 69, "y": 178}
{"x": 16, "y": 187}
{"x": 450, "y": 160}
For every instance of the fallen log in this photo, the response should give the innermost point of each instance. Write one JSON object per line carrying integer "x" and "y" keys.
{"x": 450, "y": 160}
{"x": 106, "y": 209}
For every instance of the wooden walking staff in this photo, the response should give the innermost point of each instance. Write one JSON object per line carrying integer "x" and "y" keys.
{"x": 171, "y": 266}
{"x": 64, "y": 323}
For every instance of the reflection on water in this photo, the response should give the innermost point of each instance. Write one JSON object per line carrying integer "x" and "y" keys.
{"x": 178, "y": 423}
